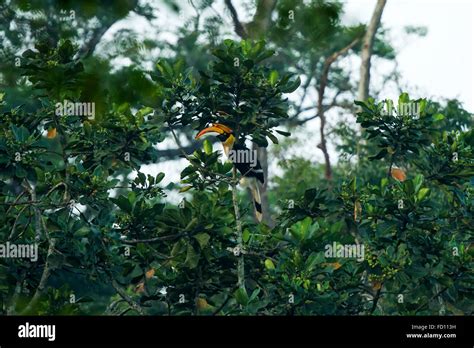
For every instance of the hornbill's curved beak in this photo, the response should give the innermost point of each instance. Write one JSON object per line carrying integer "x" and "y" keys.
{"x": 215, "y": 128}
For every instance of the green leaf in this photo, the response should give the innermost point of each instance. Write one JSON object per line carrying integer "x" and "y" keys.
{"x": 87, "y": 129}
{"x": 423, "y": 193}
{"x": 291, "y": 86}
{"x": 246, "y": 235}
{"x": 144, "y": 111}
{"x": 187, "y": 171}
{"x": 207, "y": 145}
{"x": 380, "y": 155}
{"x": 241, "y": 296}
{"x": 21, "y": 133}
{"x": 409, "y": 187}
{"x": 273, "y": 138}
{"x": 192, "y": 257}
{"x": 418, "y": 181}
{"x": 178, "y": 248}
{"x": 273, "y": 77}
{"x": 193, "y": 223}
{"x": 365, "y": 107}
{"x": 137, "y": 271}
{"x": 264, "y": 55}
{"x": 203, "y": 239}
{"x": 82, "y": 232}
{"x": 313, "y": 260}
{"x": 20, "y": 172}
{"x": 165, "y": 68}
{"x": 254, "y": 294}
{"x": 123, "y": 203}
{"x": 184, "y": 189}
{"x": 286, "y": 134}
{"x": 403, "y": 98}
{"x": 269, "y": 264}
{"x": 354, "y": 185}
{"x": 260, "y": 141}
{"x": 159, "y": 177}
{"x": 99, "y": 171}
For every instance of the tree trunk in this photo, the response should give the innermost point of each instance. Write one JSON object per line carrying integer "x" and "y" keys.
{"x": 255, "y": 29}
{"x": 367, "y": 45}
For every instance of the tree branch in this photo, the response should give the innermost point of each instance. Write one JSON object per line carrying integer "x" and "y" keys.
{"x": 238, "y": 27}
{"x": 88, "y": 48}
{"x": 322, "y": 87}
{"x": 262, "y": 18}
{"x": 173, "y": 153}
{"x": 43, "y": 281}
{"x": 228, "y": 297}
{"x": 13, "y": 301}
{"x": 366, "y": 53}
{"x": 156, "y": 239}
{"x": 376, "y": 300}
{"x": 12, "y": 233}
{"x": 238, "y": 223}
{"x": 127, "y": 298}
{"x": 36, "y": 210}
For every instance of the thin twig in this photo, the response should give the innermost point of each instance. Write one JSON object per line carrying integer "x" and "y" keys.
{"x": 16, "y": 294}
{"x": 156, "y": 239}
{"x": 36, "y": 210}
{"x": 12, "y": 233}
{"x": 112, "y": 305}
{"x": 437, "y": 294}
{"x": 43, "y": 281}
{"x": 55, "y": 187}
{"x": 376, "y": 299}
{"x": 228, "y": 297}
{"x": 322, "y": 87}
{"x": 390, "y": 167}
{"x": 14, "y": 202}
{"x": 238, "y": 223}
{"x": 127, "y": 298}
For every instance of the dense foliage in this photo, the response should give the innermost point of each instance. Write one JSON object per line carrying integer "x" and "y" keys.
{"x": 178, "y": 259}
{"x": 113, "y": 239}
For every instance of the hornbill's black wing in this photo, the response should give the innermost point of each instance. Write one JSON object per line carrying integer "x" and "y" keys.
{"x": 247, "y": 168}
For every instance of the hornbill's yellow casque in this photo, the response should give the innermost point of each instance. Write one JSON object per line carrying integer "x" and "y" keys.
{"x": 252, "y": 171}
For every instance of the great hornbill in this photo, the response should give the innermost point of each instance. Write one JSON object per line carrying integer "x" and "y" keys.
{"x": 243, "y": 159}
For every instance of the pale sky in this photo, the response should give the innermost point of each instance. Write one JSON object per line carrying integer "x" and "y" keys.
{"x": 441, "y": 63}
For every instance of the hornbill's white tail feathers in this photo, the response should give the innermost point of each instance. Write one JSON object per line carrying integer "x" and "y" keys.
{"x": 257, "y": 201}
{"x": 253, "y": 185}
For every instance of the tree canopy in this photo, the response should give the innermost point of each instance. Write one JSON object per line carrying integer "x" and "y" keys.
{"x": 382, "y": 225}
